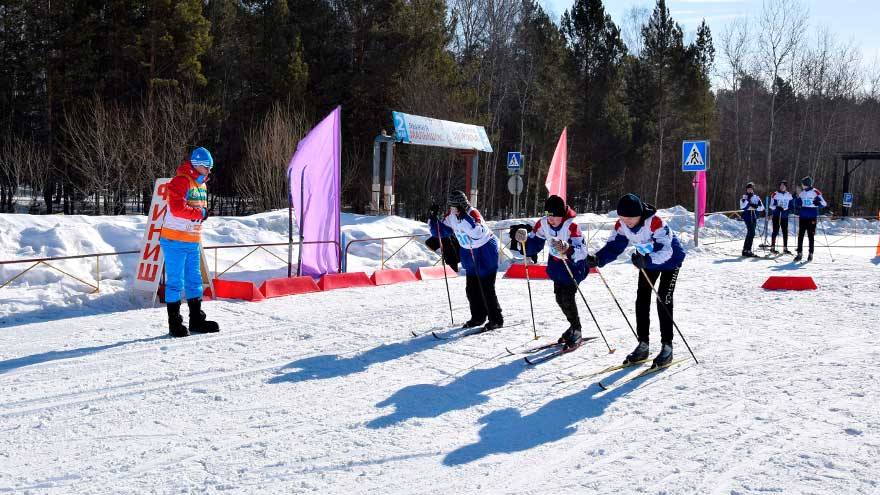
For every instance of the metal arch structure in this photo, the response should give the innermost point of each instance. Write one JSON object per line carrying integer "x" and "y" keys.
{"x": 860, "y": 157}
{"x": 468, "y": 139}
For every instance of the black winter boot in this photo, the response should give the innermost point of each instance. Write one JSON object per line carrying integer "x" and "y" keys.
{"x": 197, "y": 321}
{"x": 640, "y": 353}
{"x": 664, "y": 357}
{"x": 175, "y": 321}
{"x": 571, "y": 337}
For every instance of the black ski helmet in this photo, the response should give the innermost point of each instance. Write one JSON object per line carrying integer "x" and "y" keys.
{"x": 554, "y": 206}
{"x": 807, "y": 181}
{"x": 458, "y": 200}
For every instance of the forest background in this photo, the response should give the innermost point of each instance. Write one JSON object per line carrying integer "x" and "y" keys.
{"x": 99, "y": 98}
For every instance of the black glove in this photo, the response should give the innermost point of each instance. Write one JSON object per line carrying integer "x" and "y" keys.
{"x": 638, "y": 260}
{"x": 434, "y": 211}
{"x": 592, "y": 261}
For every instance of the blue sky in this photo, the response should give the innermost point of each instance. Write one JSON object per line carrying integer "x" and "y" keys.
{"x": 855, "y": 20}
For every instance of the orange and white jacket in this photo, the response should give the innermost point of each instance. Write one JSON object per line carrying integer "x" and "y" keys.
{"x": 186, "y": 198}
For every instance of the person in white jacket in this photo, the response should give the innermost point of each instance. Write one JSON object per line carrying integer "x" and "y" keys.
{"x": 780, "y": 206}
{"x": 750, "y": 204}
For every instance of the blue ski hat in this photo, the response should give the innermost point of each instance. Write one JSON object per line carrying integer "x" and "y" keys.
{"x": 201, "y": 157}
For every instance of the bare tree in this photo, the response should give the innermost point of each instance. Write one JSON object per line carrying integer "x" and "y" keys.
{"x": 631, "y": 28}
{"x": 268, "y": 148}
{"x": 782, "y": 27}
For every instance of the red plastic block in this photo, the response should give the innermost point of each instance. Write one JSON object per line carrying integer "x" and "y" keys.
{"x": 434, "y": 272}
{"x": 593, "y": 269}
{"x": 517, "y": 270}
{"x": 395, "y": 276}
{"x": 235, "y": 289}
{"x": 789, "y": 283}
{"x": 277, "y": 287}
{"x": 330, "y": 281}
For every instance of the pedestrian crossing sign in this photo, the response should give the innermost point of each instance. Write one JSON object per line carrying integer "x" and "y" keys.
{"x": 694, "y": 156}
{"x": 514, "y": 161}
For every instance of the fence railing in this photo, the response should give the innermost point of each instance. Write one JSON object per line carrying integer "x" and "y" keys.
{"x": 592, "y": 229}
{"x": 96, "y": 286}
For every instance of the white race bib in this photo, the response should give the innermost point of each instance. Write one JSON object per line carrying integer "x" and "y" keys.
{"x": 808, "y": 202}
{"x": 645, "y": 248}
{"x": 463, "y": 239}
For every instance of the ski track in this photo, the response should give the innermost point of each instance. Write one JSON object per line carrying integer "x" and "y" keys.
{"x": 328, "y": 393}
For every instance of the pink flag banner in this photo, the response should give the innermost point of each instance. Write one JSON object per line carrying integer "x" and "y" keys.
{"x": 700, "y": 190}
{"x": 557, "y": 176}
{"x": 314, "y": 174}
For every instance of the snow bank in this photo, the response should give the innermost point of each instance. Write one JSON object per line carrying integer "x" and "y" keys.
{"x": 28, "y": 236}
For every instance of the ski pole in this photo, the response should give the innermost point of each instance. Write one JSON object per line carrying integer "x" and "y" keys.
{"x": 826, "y": 239}
{"x": 618, "y": 304}
{"x": 660, "y": 303}
{"x": 529, "y": 285}
{"x": 443, "y": 263}
{"x": 574, "y": 281}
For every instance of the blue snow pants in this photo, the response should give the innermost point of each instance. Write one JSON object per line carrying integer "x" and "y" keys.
{"x": 182, "y": 269}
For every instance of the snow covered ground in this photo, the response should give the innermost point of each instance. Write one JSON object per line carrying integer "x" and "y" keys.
{"x": 329, "y": 393}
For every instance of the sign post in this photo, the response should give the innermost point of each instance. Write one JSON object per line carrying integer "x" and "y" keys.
{"x": 515, "y": 184}
{"x": 695, "y": 158}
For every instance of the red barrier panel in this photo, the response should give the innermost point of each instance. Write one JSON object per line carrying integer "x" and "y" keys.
{"x": 434, "y": 272}
{"x": 395, "y": 276}
{"x": 235, "y": 289}
{"x": 277, "y": 287}
{"x": 535, "y": 271}
{"x": 330, "y": 281}
{"x": 789, "y": 283}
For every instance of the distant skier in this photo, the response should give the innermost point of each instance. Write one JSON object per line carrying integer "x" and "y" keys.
{"x": 566, "y": 248}
{"x": 479, "y": 257}
{"x": 750, "y": 204}
{"x": 658, "y": 254}
{"x": 780, "y": 206}
{"x": 809, "y": 201}
{"x": 181, "y": 243}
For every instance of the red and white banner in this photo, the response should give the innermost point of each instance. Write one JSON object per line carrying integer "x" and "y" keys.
{"x": 150, "y": 260}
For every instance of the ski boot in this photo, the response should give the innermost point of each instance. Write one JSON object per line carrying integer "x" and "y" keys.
{"x": 810, "y": 257}
{"x": 492, "y": 325}
{"x": 473, "y": 322}
{"x": 175, "y": 321}
{"x": 786, "y": 251}
{"x": 664, "y": 357}
{"x": 798, "y": 257}
{"x": 197, "y": 321}
{"x": 640, "y": 353}
{"x": 773, "y": 250}
{"x": 570, "y": 338}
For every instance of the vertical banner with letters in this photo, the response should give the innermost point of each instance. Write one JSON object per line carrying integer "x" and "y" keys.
{"x": 150, "y": 260}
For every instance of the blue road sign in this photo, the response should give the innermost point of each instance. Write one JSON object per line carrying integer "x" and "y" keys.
{"x": 847, "y": 200}
{"x": 514, "y": 160}
{"x": 694, "y": 156}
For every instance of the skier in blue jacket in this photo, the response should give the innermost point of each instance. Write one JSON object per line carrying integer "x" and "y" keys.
{"x": 809, "y": 200}
{"x": 751, "y": 205}
{"x": 479, "y": 257}
{"x": 566, "y": 248}
{"x": 658, "y": 254}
